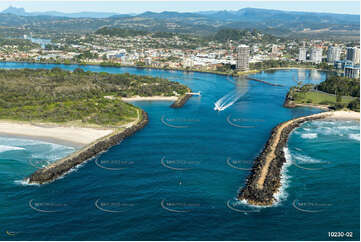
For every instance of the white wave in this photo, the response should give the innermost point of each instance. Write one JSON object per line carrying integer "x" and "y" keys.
{"x": 25, "y": 182}
{"x": 309, "y": 136}
{"x": 30, "y": 142}
{"x": 304, "y": 159}
{"x": 337, "y": 128}
{"x": 354, "y": 136}
{"x": 20, "y": 142}
{"x": 281, "y": 194}
{"x": 4, "y": 148}
{"x": 349, "y": 127}
{"x": 244, "y": 202}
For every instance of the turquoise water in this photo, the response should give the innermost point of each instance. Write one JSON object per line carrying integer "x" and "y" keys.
{"x": 177, "y": 179}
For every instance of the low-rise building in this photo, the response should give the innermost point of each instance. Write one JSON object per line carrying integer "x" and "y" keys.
{"x": 352, "y": 72}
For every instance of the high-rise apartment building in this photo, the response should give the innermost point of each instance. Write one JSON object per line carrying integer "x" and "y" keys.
{"x": 316, "y": 55}
{"x": 302, "y": 54}
{"x": 242, "y": 57}
{"x": 333, "y": 54}
{"x": 353, "y": 54}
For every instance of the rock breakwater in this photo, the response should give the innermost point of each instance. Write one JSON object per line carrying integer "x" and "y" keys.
{"x": 265, "y": 177}
{"x": 61, "y": 167}
{"x": 181, "y": 101}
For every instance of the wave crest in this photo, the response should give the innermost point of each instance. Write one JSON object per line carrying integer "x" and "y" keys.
{"x": 354, "y": 136}
{"x": 309, "y": 136}
{"x": 4, "y": 148}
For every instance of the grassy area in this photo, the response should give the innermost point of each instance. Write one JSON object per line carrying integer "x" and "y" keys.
{"x": 318, "y": 98}
{"x": 77, "y": 98}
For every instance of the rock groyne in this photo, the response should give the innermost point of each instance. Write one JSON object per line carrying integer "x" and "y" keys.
{"x": 61, "y": 167}
{"x": 265, "y": 177}
{"x": 181, "y": 101}
{"x": 265, "y": 82}
{"x": 289, "y": 100}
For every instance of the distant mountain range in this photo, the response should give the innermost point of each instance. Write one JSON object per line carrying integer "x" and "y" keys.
{"x": 22, "y": 12}
{"x": 276, "y": 22}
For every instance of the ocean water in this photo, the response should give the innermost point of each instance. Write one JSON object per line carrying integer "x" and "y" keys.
{"x": 177, "y": 179}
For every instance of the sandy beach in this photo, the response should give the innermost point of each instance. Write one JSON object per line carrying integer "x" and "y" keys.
{"x": 322, "y": 107}
{"x": 153, "y": 98}
{"x": 74, "y": 136}
{"x": 349, "y": 115}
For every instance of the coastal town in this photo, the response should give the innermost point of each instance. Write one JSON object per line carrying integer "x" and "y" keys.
{"x": 179, "y": 120}
{"x": 253, "y": 50}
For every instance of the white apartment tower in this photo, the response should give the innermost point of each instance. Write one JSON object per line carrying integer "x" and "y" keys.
{"x": 333, "y": 54}
{"x": 316, "y": 55}
{"x": 242, "y": 57}
{"x": 302, "y": 54}
{"x": 353, "y": 54}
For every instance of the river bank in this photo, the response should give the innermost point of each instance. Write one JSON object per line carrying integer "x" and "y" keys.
{"x": 61, "y": 167}
{"x": 179, "y": 101}
{"x": 253, "y": 71}
{"x": 152, "y": 98}
{"x": 291, "y": 104}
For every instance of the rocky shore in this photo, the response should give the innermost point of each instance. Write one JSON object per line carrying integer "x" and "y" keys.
{"x": 265, "y": 177}
{"x": 61, "y": 167}
{"x": 181, "y": 101}
{"x": 289, "y": 103}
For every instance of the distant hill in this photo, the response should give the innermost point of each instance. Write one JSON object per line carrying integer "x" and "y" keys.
{"x": 22, "y": 12}
{"x": 280, "y": 23}
{"x": 287, "y": 19}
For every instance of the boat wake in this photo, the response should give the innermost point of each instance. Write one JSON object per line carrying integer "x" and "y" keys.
{"x": 232, "y": 97}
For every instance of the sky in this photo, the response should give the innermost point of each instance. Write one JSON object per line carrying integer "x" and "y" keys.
{"x": 348, "y": 7}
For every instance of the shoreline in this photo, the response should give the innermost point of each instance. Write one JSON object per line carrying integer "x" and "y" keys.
{"x": 181, "y": 101}
{"x": 345, "y": 115}
{"x": 51, "y": 140}
{"x": 264, "y": 181}
{"x": 152, "y": 98}
{"x": 322, "y": 107}
{"x": 169, "y": 69}
{"x": 61, "y": 167}
{"x": 65, "y": 135}
{"x": 178, "y": 101}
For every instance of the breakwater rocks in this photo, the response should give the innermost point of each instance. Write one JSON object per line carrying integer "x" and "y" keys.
{"x": 61, "y": 167}
{"x": 289, "y": 100}
{"x": 265, "y": 177}
{"x": 181, "y": 101}
{"x": 265, "y": 82}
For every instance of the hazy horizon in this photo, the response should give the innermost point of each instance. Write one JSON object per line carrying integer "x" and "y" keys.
{"x": 124, "y": 7}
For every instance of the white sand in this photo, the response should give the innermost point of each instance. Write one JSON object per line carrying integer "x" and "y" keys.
{"x": 153, "y": 98}
{"x": 71, "y": 135}
{"x": 345, "y": 115}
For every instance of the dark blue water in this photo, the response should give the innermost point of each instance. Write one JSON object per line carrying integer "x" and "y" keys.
{"x": 177, "y": 179}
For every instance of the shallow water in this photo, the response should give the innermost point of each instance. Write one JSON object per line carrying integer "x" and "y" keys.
{"x": 177, "y": 179}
